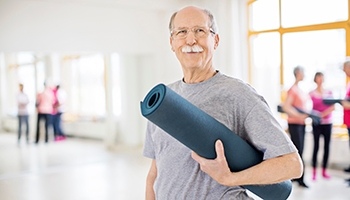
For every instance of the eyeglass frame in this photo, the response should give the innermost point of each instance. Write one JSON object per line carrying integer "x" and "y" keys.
{"x": 192, "y": 30}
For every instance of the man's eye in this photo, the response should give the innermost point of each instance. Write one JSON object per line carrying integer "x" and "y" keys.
{"x": 200, "y": 30}
{"x": 181, "y": 32}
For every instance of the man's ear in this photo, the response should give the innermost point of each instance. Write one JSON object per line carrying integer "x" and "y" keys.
{"x": 217, "y": 39}
{"x": 171, "y": 44}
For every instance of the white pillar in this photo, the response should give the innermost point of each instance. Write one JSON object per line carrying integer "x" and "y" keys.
{"x": 111, "y": 134}
{"x": 2, "y": 88}
{"x": 56, "y": 68}
{"x": 129, "y": 123}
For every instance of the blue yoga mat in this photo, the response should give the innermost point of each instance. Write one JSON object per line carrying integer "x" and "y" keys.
{"x": 199, "y": 132}
{"x": 333, "y": 101}
{"x": 316, "y": 119}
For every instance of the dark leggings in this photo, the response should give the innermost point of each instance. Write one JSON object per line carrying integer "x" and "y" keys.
{"x": 326, "y": 131}
{"x": 47, "y": 119}
{"x": 297, "y": 134}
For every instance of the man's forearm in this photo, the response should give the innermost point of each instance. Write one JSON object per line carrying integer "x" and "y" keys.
{"x": 151, "y": 177}
{"x": 149, "y": 191}
{"x": 270, "y": 171}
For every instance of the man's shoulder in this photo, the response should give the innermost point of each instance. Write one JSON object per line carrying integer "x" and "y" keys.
{"x": 232, "y": 83}
{"x": 231, "y": 80}
{"x": 174, "y": 85}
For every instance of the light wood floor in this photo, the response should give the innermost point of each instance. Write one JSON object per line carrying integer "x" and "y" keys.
{"x": 82, "y": 169}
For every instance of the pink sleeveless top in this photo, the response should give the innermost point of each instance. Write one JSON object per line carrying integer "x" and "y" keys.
{"x": 319, "y": 106}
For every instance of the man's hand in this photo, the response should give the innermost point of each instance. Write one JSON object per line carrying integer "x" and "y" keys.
{"x": 217, "y": 168}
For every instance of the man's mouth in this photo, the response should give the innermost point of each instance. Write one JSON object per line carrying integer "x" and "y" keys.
{"x": 192, "y": 49}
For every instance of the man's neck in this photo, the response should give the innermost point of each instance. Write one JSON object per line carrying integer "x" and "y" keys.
{"x": 198, "y": 75}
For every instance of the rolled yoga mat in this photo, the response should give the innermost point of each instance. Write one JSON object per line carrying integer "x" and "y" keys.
{"x": 199, "y": 132}
{"x": 316, "y": 119}
{"x": 332, "y": 101}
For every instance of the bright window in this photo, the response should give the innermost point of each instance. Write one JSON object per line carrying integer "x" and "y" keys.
{"x": 315, "y": 53}
{"x": 313, "y": 34}
{"x": 266, "y": 66}
{"x": 308, "y": 12}
{"x": 83, "y": 80}
{"x": 264, "y": 15}
{"x": 25, "y": 74}
{"x": 21, "y": 70}
{"x": 311, "y": 50}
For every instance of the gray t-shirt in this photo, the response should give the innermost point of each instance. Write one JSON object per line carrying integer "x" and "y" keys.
{"x": 237, "y": 106}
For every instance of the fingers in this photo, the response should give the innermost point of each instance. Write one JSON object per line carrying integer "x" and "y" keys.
{"x": 196, "y": 157}
{"x": 220, "y": 152}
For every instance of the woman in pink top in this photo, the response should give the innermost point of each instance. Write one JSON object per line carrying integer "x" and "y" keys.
{"x": 325, "y": 127}
{"x": 296, "y": 98}
{"x": 44, "y": 105}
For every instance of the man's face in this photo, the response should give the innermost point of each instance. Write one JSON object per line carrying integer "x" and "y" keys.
{"x": 187, "y": 19}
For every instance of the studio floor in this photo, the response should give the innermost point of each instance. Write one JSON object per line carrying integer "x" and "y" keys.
{"x": 83, "y": 169}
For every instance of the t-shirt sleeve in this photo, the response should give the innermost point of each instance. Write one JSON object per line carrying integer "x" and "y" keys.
{"x": 265, "y": 133}
{"x": 148, "y": 148}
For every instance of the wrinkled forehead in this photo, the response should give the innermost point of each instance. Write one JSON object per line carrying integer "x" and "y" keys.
{"x": 188, "y": 18}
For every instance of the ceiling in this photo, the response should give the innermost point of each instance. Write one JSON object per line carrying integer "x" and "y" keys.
{"x": 156, "y": 5}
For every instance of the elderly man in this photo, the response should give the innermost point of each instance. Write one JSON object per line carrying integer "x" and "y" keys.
{"x": 178, "y": 173}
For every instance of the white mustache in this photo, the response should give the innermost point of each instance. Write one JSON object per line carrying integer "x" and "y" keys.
{"x": 194, "y": 48}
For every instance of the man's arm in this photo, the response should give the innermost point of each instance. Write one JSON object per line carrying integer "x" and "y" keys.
{"x": 151, "y": 177}
{"x": 270, "y": 171}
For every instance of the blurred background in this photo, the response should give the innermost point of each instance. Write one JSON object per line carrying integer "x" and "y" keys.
{"x": 107, "y": 54}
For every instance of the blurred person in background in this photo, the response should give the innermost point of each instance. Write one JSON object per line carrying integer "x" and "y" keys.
{"x": 44, "y": 104}
{"x": 59, "y": 109}
{"x": 22, "y": 103}
{"x": 296, "y": 98}
{"x": 325, "y": 127}
{"x": 346, "y": 105}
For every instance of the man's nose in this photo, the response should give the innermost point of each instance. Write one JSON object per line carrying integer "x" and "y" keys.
{"x": 191, "y": 38}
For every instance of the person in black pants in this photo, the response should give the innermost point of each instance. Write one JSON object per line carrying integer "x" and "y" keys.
{"x": 297, "y": 133}
{"x": 44, "y": 104}
{"x": 325, "y": 130}
{"x": 296, "y": 98}
{"x": 325, "y": 127}
{"x": 47, "y": 118}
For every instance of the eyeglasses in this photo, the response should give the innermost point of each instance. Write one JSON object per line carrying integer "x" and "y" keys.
{"x": 197, "y": 31}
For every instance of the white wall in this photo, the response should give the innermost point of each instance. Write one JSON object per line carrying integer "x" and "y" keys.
{"x": 136, "y": 29}
{"x": 76, "y": 26}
